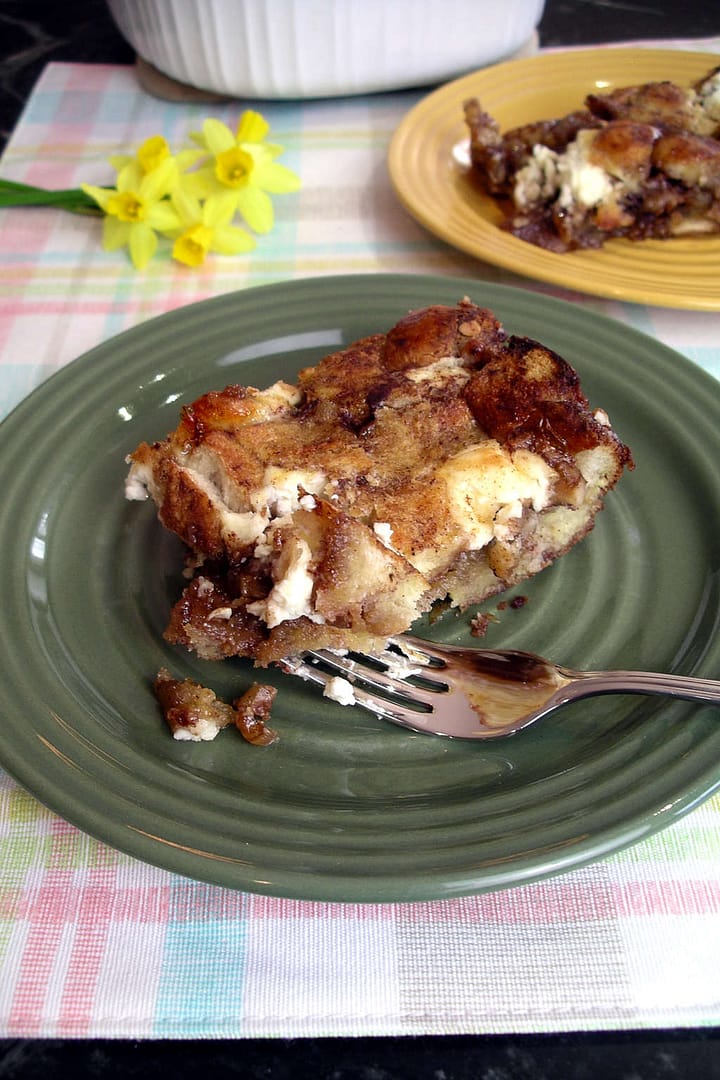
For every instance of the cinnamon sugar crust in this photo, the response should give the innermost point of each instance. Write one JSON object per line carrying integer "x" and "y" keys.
{"x": 640, "y": 161}
{"x": 444, "y": 460}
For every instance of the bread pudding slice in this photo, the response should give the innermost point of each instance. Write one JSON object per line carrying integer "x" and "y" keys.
{"x": 443, "y": 461}
{"x": 637, "y": 162}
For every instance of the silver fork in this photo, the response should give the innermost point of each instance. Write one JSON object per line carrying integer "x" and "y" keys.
{"x": 473, "y": 693}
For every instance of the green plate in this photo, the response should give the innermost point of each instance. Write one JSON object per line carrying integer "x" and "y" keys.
{"x": 346, "y": 807}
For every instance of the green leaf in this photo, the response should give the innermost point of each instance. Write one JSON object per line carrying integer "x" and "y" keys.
{"x": 72, "y": 199}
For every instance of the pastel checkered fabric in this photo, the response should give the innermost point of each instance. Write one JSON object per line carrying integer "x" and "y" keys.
{"x": 96, "y": 944}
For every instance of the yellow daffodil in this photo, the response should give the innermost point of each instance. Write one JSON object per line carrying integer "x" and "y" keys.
{"x": 242, "y": 171}
{"x": 157, "y": 193}
{"x": 252, "y": 128}
{"x": 155, "y": 152}
{"x": 136, "y": 209}
{"x": 206, "y": 227}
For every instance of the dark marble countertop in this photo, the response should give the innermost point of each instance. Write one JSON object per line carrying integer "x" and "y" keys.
{"x": 33, "y": 33}
{"x": 614, "y": 1056}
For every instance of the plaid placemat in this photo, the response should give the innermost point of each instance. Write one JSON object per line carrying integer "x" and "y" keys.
{"x": 96, "y": 944}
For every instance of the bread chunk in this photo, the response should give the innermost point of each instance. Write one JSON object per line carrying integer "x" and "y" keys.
{"x": 640, "y": 161}
{"x": 194, "y": 713}
{"x": 442, "y": 461}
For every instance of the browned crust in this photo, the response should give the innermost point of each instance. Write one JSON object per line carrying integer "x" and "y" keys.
{"x": 659, "y": 142}
{"x": 194, "y": 711}
{"x": 379, "y": 421}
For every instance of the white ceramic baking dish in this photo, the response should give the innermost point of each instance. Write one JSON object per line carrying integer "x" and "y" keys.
{"x": 322, "y": 48}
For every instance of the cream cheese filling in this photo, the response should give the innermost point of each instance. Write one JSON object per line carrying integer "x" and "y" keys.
{"x": 488, "y": 488}
{"x": 291, "y": 595}
{"x": 568, "y": 178}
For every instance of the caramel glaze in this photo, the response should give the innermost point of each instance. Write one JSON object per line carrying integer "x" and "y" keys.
{"x": 187, "y": 706}
{"x": 529, "y": 397}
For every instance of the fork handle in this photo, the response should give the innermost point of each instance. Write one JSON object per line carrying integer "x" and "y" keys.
{"x": 687, "y": 687}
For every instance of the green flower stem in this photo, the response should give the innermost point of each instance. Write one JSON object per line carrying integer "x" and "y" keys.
{"x": 73, "y": 199}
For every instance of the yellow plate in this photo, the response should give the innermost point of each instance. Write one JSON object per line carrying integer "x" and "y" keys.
{"x": 429, "y": 168}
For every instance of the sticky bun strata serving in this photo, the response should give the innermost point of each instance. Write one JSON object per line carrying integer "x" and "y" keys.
{"x": 443, "y": 461}
{"x": 640, "y": 161}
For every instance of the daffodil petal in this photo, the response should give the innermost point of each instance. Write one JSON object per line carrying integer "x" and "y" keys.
{"x": 187, "y": 205}
{"x": 119, "y": 161}
{"x": 262, "y": 151}
{"x": 230, "y": 240}
{"x": 218, "y": 136}
{"x": 273, "y": 149}
{"x": 101, "y": 196}
{"x": 259, "y": 152}
{"x": 143, "y": 244}
{"x": 130, "y": 177}
{"x": 219, "y": 209}
{"x": 257, "y": 208}
{"x": 252, "y": 127}
{"x": 153, "y": 152}
{"x": 115, "y": 233}
{"x": 187, "y": 158}
{"x": 158, "y": 181}
{"x": 164, "y": 217}
{"x": 277, "y": 179}
{"x": 201, "y": 183}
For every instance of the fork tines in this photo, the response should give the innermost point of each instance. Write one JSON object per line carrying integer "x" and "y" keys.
{"x": 378, "y": 683}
